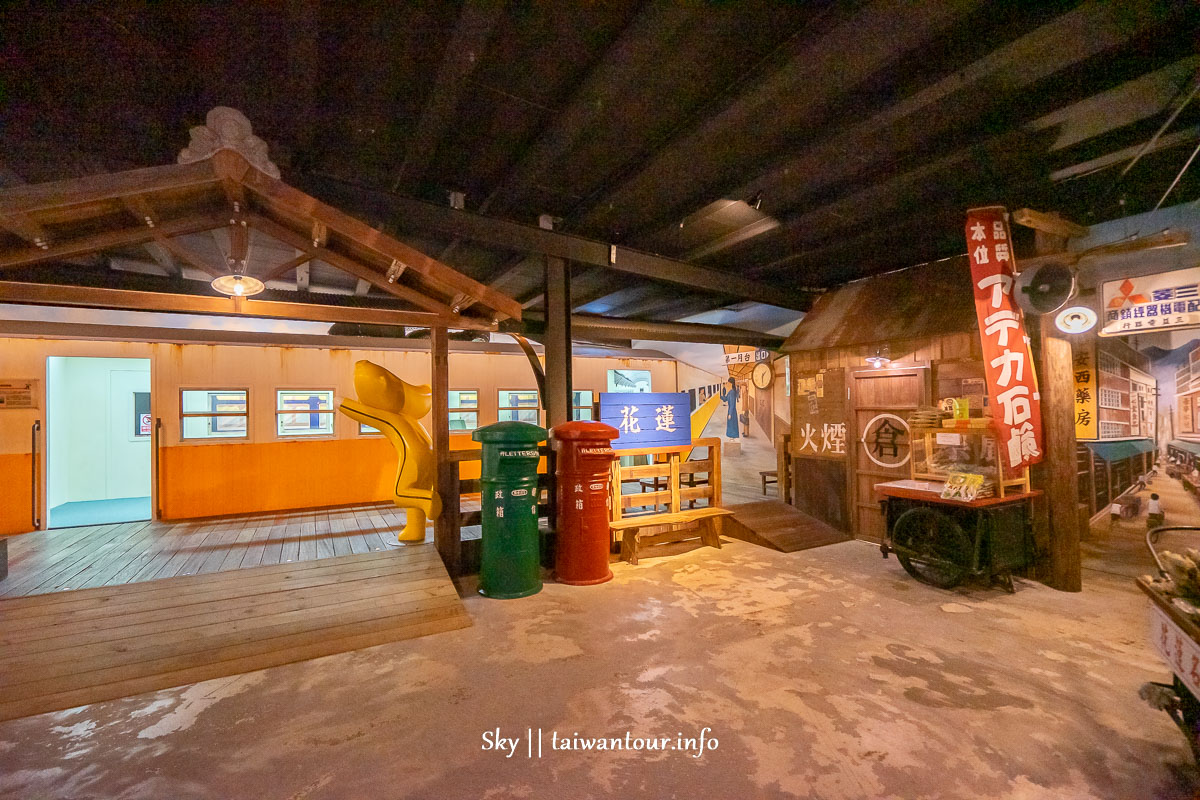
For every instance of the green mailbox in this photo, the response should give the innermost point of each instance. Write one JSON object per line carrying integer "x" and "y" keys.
{"x": 511, "y": 556}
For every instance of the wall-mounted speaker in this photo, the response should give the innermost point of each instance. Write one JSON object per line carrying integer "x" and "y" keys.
{"x": 1045, "y": 289}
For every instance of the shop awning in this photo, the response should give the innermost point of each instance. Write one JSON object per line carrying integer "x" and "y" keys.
{"x": 1187, "y": 447}
{"x": 1118, "y": 451}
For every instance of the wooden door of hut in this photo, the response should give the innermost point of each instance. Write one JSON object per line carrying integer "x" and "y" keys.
{"x": 882, "y": 400}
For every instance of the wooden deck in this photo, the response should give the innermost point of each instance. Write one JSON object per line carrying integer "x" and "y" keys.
{"x": 128, "y": 552}
{"x": 779, "y": 526}
{"x": 68, "y": 649}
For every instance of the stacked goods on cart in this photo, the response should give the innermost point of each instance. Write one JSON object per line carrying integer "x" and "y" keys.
{"x": 972, "y": 424}
{"x": 1182, "y": 583}
{"x": 928, "y": 417}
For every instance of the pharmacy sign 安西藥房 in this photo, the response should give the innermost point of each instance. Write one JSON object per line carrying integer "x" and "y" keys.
{"x": 1166, "y": 300}
{"x": 647, "y": 419}
{"x": 1008, "y": 365}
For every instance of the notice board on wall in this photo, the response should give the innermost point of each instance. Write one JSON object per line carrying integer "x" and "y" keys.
{"x": 819, "y": 414}
{"x": 18, "y": 393}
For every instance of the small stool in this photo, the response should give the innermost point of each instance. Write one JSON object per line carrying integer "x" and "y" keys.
{"x": 769, "y": 476}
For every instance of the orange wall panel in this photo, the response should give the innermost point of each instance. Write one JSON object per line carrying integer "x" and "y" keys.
{"x": 217, "y": 479}
{"x": 15, "y": 511}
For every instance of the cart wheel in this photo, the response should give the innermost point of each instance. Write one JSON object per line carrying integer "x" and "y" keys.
{"x": 1189, "y": 710}
{"x": 932, "y": 547}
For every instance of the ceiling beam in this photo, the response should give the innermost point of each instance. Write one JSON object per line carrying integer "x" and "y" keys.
{"x": 1049, "y": 223}
{"x": 91, "y": 297}
{"x": 800, "y": 95}
{"x": 347, "y": 265}
{"x": 291, "y": 264}
{"x": 510, "y": 235}
{"x": 110, "y": 239}
{"x": 603, "y": 89}
{"x": 1059, "y": 44}
{"x": 476, "y": 21}
{"x": 294, "y": 202}
{"x": 605, "y": 329}
{"x": 111, "y": 186}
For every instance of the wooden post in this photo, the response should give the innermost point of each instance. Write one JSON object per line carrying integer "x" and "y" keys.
{"x": 558, "y": 342}
{"x": 446, "y": 534}
{"x": 782, "y": 476}
{"x": 1056, "y": 383}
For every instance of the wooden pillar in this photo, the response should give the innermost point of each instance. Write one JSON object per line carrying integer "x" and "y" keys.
{"x": 446, "y": 534}
{"x": 557, "y": 341}
{"x": 1056, "y": 383}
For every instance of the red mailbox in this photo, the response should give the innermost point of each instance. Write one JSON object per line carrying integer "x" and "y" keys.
{"x": 585, "y": 456}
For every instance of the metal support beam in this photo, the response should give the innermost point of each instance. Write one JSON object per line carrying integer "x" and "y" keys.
{"x": 445, "y": 530}
{"x": 426, "y": 217}
{"x": 610, "y": 329}
{"x": 557, "y": 341}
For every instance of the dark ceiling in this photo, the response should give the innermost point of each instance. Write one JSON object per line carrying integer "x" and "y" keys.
{"x": 860, "y": 130}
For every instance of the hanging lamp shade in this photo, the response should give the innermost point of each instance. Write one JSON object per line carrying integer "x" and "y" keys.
{"x": 238, "y": 285}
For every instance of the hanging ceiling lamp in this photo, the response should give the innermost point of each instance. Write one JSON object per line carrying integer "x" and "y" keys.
{"x": 236, "y": 285}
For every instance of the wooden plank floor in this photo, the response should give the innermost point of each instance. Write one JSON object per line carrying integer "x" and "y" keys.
{"x": 775, "y": 524}
{"x": 107, "y": 555}
{"x": 67, "y": 649}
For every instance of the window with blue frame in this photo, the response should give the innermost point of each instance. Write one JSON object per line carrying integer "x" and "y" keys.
{"x": 214, "y": 413}
{"x": 520, "y": 405}
{"x": 581, "y": 405}
{"x": 304, "y": 412}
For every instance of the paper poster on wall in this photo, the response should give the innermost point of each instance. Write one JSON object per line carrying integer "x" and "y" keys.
{"x": 142, "y": 423}
{"x": 17, "y": 393}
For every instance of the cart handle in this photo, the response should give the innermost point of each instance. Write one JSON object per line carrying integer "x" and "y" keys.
{"x": 1152, "y": 537}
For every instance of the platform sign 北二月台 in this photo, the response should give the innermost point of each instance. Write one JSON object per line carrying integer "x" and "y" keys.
{"x": 647, "y": 419}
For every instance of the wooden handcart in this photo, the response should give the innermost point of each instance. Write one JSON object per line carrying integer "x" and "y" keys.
{"x": 1175, "y": 636}
{"x": 944, "y": 542}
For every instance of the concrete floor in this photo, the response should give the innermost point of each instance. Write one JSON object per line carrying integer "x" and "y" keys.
{"x": 826, "y": 673}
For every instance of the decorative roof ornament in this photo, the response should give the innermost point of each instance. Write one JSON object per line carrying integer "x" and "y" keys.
{"x": 227, "y": 128}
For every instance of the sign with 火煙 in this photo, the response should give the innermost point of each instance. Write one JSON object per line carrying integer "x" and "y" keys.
{"x": 1008, "y": 366}
{"x": 819, "y": 414}
{"x": 1151, "y": 303}
{"x": 1083, "y": 372}
{"x": 647, "y": 419}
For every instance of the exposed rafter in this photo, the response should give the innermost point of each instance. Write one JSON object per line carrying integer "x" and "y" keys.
{"x": 511, "y": 235}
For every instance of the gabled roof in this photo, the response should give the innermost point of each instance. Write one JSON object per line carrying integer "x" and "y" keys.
{"x": 224, "y": 192}
{"x": 926, "y": 300}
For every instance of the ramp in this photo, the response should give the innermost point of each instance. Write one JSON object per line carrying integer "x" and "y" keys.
{"x": 72, "y": 648}
{"x": 779, "y": 526}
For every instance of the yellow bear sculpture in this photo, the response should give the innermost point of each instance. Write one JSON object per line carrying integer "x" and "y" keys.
{"x": 395, "y": 408}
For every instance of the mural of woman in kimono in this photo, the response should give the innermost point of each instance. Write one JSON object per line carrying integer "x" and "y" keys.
{"x": 730, "y": 397}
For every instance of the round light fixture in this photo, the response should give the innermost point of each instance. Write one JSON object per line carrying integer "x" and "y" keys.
{"x": 1076, "y": 319}
{"x": 238, "y": 285}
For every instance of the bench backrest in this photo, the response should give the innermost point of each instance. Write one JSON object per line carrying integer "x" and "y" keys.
{"x": 673, "y": 469}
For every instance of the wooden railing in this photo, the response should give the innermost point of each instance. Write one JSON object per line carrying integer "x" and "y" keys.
{"x": 685, "y": 481}
{"x": 672, "y": 464}
{"x": 468, "y": 490}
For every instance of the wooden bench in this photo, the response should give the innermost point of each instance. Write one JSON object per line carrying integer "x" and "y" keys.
{"x": 769, "y": 476}
{"x": 674, "y": 481}
{"x": 681, "y": 528}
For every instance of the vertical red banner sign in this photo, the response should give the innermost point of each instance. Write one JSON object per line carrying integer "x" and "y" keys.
{"x": 1012, "y": 386}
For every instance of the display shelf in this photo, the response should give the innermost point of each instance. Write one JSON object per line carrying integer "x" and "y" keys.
{"x": 982, "y": 448}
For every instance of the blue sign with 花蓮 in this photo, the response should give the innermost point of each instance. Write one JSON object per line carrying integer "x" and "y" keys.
{"x": 647, "y": 419}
